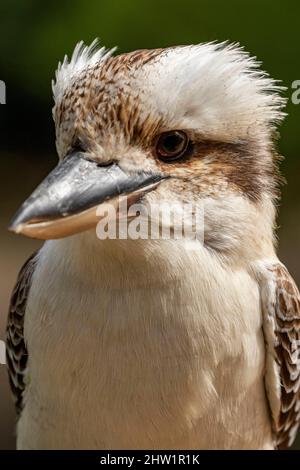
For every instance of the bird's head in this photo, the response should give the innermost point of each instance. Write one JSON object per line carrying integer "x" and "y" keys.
{"x": 184, "y": 124}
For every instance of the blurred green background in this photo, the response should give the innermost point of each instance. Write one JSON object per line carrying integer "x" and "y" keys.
{"x": 35, "y": 35}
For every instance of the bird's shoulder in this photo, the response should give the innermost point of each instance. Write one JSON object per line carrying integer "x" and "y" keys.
{"x": 281, "y": 326}
{"x": 16, "y": 351}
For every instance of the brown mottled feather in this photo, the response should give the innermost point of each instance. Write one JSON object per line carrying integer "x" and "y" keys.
{"x": 286, "y": 313}
{"x": 16, "y": 352}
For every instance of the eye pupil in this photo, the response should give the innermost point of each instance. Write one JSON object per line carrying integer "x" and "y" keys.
{"x": 172, "y": 142}
{"x": 171, "y": 145}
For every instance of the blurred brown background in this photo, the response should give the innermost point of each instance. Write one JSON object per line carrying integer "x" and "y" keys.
{"x": 34, "y": 35}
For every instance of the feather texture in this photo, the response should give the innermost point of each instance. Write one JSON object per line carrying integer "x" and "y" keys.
{"x": 16, "y": 352}
{"x": 83, "y": 56}
{"x": 281, "y": 309}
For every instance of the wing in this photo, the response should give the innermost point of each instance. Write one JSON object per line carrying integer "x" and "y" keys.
{"x": 281, "y": 324}
{"x": 16, "y": 352}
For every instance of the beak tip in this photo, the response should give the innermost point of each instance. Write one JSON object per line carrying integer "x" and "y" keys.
{"x": 14, "y": 228}
{"x": 17, "y": 222}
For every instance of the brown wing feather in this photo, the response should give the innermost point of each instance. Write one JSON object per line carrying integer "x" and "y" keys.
{"x": 16, "y": 352}
{"x": 284, "y": 307}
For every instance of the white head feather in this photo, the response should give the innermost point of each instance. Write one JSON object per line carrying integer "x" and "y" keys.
{"x": 217, "y": 89}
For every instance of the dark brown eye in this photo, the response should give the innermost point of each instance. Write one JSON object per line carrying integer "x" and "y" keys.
{"x": 171, "y": 145}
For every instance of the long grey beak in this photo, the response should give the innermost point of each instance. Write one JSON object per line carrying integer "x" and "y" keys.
{"x": 66, "y": 201}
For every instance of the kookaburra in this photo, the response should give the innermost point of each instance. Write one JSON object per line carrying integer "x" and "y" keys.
{"x": 157, "y": 344}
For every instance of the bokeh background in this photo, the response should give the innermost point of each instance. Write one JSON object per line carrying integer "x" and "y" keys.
{"x": 35, "y": 35}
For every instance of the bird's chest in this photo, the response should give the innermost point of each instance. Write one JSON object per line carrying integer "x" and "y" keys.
{"x": 123, "y": 364}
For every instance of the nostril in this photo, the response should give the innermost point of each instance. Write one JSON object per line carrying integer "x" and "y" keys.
{"x": 103, "y": 164}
